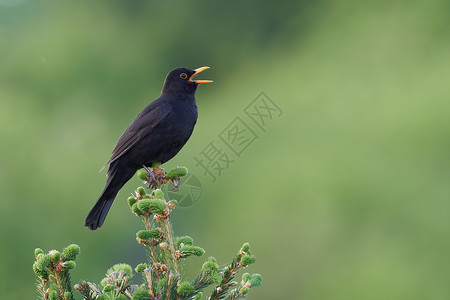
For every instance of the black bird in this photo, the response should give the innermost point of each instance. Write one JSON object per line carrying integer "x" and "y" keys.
{"x": 156, "y": 135}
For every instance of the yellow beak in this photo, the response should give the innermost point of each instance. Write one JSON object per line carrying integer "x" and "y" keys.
{"x": 198, "y": 70}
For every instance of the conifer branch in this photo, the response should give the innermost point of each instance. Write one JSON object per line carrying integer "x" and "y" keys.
{"x": 161, "y": 278}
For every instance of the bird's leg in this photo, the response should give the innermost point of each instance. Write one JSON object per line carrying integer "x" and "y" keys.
{"x": 155, "y": 177}
{"x": 160, "y": 176}
{"x": 176, "y": 184}
{"x": 146, "y": 169}
{"x": 151, "y": 178}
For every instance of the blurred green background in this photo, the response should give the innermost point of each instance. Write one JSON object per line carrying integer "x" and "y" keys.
{"x": 346, "y": 195}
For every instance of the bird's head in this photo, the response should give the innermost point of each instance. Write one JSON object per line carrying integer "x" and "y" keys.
{"x": 181, "y": 80}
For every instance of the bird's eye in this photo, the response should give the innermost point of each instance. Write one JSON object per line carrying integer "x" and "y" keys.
{"x": 183, "y": 75}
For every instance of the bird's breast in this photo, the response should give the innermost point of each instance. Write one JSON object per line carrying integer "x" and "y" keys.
{"x": 167, "y": 139}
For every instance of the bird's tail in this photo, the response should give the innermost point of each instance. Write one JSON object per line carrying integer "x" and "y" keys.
{"x": 98, "y": 213}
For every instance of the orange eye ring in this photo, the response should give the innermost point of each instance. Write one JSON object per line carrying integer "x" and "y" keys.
{"x": 183, "y": 75}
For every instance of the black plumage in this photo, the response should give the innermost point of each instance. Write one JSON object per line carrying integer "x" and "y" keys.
{"x": 155, "y": 135}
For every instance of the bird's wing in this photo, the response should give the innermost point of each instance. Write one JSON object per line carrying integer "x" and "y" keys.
{"x": 143, "y": 125}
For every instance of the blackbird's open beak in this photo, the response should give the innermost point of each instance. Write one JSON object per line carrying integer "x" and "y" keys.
{"x": 198, "y": 70}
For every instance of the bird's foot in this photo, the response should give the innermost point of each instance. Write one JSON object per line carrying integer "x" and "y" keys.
{"x": 155, "y": 177}
{"x": 176, "y": 184}
{"x": 146, "y": 169}
{"x": 151, "y": 178}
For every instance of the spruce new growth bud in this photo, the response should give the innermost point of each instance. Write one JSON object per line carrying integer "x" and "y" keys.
{"x": 210, "y": 270}
{"x": 141, "y": 267}
{"x": 177, "y": 172}
{"x": 255, "y": 280}
{"x": 131, "y": 200}
{"x": 158, "y": 194}
{"x": 245, "y": 277}
{"x": 103, "y": 281}
{"x": 185, "y": 240}
{"x": 141, "y": 191}
{"x": 188, "y": 250}
{"x": 70, "y": 252}
{"x": 56, "y": 256}
{"x": 68, "y": 295}
{"x": 108, "y": 288}
{"x": 247, "y": 259}
{"x": 198, "y": 296}
{"x": 154, "y": 206}
{"x": 185, "y": 288}
{"x": 42, "y": 266}
{"x": 244, "y": 290}
{"x": 210, "y": 265}
{"x": 147, "y": 235}
{"x": 38, "y": 251}
{"x": 70, "y": 264}
{"x": 142, "y": 174}
{"x": 126, "y": 268}
{"x": 246, "y": 248}
{"x": 135, "y": 209}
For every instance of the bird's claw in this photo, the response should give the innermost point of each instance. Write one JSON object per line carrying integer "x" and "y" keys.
{"x": 151, "y": 179}
{"x": 155, "y": 177}
{"x": 176, "y": 184}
